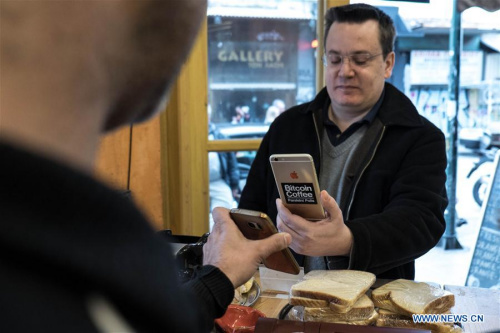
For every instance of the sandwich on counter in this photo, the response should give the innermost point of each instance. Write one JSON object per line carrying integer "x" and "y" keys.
{"x": 399, "y": 300}
{"x": 336, "y": 296}
{"x": 344, "y": 297}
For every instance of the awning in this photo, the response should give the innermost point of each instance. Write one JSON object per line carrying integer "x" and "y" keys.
{"x": 490, "y": 5}
{"x": 492, "y": 41}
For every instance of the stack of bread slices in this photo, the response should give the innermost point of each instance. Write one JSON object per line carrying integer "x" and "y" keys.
{"x": 337, "y": 296}
{"x": 344, "y": 296}
{"x": 398, "y": 300}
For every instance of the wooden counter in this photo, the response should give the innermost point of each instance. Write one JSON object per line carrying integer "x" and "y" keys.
{"x": 468, "y": 301}
{"x": 270, "y": 302}
{"x": 270, "y": 305}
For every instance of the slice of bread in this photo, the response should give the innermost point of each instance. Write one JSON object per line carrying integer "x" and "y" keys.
{"x": 408, "y": 297}
{"x": 388, "y": 318}
{"x": 371, "y": 320}
{"x": 340, "y": 308}
{"x": 341, "y": 288}
{"x": 408, "y": 323}
{"x": 386, "y": 314}
{"x": 383, "y": 313}
{"x": 327, "y": 316}
{"x": 308, "y": 302}
{"x": 362, "y": 309}
{"x": 363, "y": 304}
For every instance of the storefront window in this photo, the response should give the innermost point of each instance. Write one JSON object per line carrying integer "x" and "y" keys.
{"x": 261, "y": 61}
{"x": 228, "y": 172}
{"x": 261, "y": 57}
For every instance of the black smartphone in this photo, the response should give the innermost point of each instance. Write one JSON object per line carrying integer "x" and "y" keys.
{"x": 257, "y": 225}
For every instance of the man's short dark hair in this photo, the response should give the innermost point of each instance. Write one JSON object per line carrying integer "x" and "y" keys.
{"x": 360, "y": 13}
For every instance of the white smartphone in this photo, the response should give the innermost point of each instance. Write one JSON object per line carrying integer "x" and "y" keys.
{"x": 297, "y": 183}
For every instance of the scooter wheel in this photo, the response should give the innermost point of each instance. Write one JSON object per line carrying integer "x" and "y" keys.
{"x": 479, "y": 189}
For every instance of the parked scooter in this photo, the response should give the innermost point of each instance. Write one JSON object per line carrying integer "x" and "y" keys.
{"x": 482, "y": 170}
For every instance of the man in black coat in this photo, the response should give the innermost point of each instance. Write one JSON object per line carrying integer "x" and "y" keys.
{"x": 382, "y": 163}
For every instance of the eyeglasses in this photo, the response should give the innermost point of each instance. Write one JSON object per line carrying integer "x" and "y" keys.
{"x": 357, "y": 59}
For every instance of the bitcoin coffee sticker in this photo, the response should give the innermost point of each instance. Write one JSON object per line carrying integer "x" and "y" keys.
{"x": 299, "y": 193}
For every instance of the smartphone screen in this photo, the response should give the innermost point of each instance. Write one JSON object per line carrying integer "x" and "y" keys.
{"x": 257, "y": 225}
{"x": 297, "y": 183}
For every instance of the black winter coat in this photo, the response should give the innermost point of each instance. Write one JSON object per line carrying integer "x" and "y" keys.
{"x": 397, "y": 197}
{"x": 70, "y": 245}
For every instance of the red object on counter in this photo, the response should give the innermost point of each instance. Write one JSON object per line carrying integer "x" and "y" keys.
{"x": 239, "y": 319}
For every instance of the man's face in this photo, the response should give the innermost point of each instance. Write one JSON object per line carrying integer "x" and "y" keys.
{"x": 157, "y": 36}
{"x": 355, "y": 88}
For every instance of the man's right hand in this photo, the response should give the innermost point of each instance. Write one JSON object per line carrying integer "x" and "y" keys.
{"x": 328, "y": 237}
{"x": 235, "y": 255}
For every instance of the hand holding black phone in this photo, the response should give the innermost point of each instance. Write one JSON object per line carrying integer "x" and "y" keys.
{"x": 257, "y": 225}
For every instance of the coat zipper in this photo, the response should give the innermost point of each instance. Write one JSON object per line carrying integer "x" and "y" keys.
{"x": 318, "y": 137}
{"x": 362, "y": 172}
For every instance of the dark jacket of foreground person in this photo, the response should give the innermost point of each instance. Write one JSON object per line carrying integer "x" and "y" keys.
{"x": 73, "y": 250}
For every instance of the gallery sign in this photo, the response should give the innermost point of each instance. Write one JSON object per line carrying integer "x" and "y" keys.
{"x": 253, "y": 58}
{"x": 252, "y": 62}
